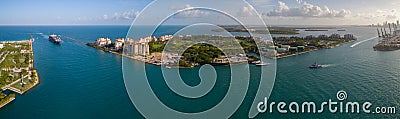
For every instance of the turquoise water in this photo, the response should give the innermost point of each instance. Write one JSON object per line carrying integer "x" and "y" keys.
{"x": 81, "y": 82}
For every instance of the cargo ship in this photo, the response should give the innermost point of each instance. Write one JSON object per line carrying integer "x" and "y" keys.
{"x": 55, "y": 39}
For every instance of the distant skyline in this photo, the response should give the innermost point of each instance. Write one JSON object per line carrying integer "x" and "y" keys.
{"x": 123, "y": 12}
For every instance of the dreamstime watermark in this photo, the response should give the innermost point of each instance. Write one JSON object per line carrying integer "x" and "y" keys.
{"x": 340, "y": 105}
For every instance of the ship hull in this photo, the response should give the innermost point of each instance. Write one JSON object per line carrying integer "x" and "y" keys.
{"x": 54, "y": 39}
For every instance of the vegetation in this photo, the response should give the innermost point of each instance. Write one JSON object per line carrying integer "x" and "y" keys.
{"x": 205, "y": 53}
{"x": 248, "y": 44}
{"x": 15, "y": 58}
{"x": 313, "y": 42}
{"x": 202, "y": 54}
{"x": 157, "y": 46}
{"x": 5, "y": 78}
{"x": 16, "y": 55}
{"x": 15, "y": 62}
{"x": 4, "y": 98}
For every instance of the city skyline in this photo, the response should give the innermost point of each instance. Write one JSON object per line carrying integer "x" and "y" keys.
{"x": 123, "y": 12}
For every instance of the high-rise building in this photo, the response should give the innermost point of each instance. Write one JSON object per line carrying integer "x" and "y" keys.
{"x": 137, "y": 47}
{"x": 102, "y": 41}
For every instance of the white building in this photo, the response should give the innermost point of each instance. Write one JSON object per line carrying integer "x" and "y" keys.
{"x": 166, "y": 37}
{"x": 119, "y": 43}
{"x": 137, "y": 47}
{"x": 102, "y": 42}
{"x": 348, "y": 36}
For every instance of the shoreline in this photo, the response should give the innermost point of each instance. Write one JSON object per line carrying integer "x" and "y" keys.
{"x": 7, "y": 102}
{"x": 300, "y": 53}
{"x": 36, "y": 80}
{"x": 146, "y": 56}
{"x": 140, "y": 58}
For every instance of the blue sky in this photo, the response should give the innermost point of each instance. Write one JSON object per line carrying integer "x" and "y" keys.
{"x": 66, "y": 11}
{"x": 291, "y": 12}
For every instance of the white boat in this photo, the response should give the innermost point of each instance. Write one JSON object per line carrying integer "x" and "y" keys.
{"x": 256, "y": 62}
{"x": 262, "y": 64}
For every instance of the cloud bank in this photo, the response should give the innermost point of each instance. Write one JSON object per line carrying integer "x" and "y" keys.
{"x": 190, "y": 12}
{"x": 306, "y": 10}
{"x": 127, "y": 15}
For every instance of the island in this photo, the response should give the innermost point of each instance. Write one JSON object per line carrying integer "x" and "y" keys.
{"x": 178, "y": 54}
{"x": 272, "y": 29}
{"x": 17, "y": 73}
{"x": 295, "y": 45}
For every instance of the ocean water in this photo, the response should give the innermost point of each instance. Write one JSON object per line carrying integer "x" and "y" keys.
{"x": 81, "y": 82}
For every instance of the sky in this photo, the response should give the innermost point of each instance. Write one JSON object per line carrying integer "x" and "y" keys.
{"x": 123, "y": 12}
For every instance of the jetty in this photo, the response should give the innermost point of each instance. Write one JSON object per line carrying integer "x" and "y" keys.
{"x": 73, "y": 39}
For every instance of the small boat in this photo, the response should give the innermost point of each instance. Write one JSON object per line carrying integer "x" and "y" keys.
{"x": 315, "y": 66}
{"x": 256, "y": 62}
{"x": 261, "y": 64}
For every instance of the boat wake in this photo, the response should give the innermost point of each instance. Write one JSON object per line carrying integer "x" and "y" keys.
{"x": 327, "y": 65}
{"x": 358, "y": 43}
{"x": 45, "y": 36}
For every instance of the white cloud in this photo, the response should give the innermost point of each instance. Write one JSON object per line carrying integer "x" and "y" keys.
{"x": 379, "y": 15}
{"x": 115, "y": 18}
{"x": 105, "y": 16}
{"x": 127, "y": 15}
{"x": 299, "y": 1}
{"x": 391, "y": 17}
{"x": 245, "y": 12}
{"x": 189, "y": 12}
{"x": 306, "y": 10}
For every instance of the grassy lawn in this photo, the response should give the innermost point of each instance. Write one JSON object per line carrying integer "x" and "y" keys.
{"x": 15, "y": 59}
{"x": 27, "y": 85}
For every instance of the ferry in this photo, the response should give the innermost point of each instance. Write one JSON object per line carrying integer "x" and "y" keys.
{"x": 315, "y": 66}
{"x": 55, "y": 39}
